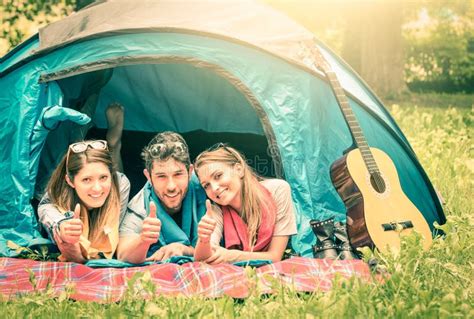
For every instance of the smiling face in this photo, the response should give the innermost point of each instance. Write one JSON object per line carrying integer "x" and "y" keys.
{"x": 92, "y": 184}
{"x": 222, "y": 183}
{"x": 170, "y": 180}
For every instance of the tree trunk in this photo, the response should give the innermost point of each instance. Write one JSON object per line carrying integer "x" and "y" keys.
{"x": 373, "y": 44}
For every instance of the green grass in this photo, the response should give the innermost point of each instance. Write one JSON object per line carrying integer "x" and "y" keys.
{"x": 432, "y": 284}
{"x": 433, "y": 100}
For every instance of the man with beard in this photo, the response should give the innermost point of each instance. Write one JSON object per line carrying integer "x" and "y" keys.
{"x": 162, "y": 219}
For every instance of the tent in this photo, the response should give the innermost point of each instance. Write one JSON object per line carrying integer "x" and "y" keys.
{"x": 237, "y": 72}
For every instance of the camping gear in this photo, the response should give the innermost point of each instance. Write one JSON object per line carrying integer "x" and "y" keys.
{"x": 237, "y": 72}
{"x": 343, "y": 245}
{"x": 324, "y": 232}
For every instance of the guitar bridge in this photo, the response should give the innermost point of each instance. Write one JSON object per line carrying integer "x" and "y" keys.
{"x": 393, "y": 225}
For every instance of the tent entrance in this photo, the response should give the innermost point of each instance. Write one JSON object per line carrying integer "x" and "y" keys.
{"x": 202, "y": 102}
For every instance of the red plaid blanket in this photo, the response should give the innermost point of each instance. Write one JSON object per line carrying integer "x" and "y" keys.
{"x": 110, "y": 284}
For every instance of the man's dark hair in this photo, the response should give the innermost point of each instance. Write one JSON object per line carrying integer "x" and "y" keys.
{"x": 166, "y": 145}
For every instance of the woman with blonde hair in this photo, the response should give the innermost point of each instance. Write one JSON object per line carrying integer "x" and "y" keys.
{"x": 84, "y": 203}
{"x": 254, "y": 216}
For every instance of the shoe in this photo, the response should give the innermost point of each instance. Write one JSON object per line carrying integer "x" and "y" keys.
{"x": 324, "y": 232}
{"x": 342, "y": 242}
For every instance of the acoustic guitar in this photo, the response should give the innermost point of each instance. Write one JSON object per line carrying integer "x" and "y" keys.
{"x": 378, "y": 211}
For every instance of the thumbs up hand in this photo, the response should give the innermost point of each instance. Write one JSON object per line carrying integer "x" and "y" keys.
{"x": 152, "y": 210}
{"x": 207, "y": 224}
{"x": 151, "y": 227}
{"x": 70, "y": 230}
{"x": 209, "y": 211}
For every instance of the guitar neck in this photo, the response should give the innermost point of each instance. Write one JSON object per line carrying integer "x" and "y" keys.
{"x": 349, "y": 116}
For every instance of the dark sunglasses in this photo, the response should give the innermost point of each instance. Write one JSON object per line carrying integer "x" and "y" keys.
{"x": 80, "y": 147}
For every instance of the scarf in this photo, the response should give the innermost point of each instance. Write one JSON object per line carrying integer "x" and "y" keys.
{"x": 236, "y": 232}
{"x": 192, "y": 209}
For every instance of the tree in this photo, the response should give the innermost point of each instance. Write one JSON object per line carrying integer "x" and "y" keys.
{"x": 440, "y": 55}
{"x": 368, "y": 35}
{"x": 373, "y": 44}
{"x": 20, "y": 19}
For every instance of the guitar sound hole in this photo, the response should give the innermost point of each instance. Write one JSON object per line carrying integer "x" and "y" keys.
{"x": 377, "y": 182}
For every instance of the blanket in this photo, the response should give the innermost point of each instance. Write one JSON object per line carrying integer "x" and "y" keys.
{"x": 22, "y": 276}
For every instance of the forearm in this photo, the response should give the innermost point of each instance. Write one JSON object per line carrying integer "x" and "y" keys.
{"x": 239, "y": 255}
{"x": 50, "y": 217}
{"x": 132, "y": 249}
{"x": 202, "y": 251}
{"x": 274, "y": 253}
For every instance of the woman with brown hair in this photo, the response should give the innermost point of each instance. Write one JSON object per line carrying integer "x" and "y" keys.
{"x": 84, "y": 203}
{"x": 255, "y": 216}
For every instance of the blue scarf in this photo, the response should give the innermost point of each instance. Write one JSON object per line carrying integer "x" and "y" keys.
{"x": 192, "y": 209}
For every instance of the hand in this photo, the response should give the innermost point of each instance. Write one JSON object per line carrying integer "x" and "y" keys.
{"x": 151, "y": 227}
{"x": 70, "y": 252}
{"x": 220, "y": 255}
{"x": 207, "y": 224}
{"x": 170, "y": 250}
{"x": 70, "y": 230}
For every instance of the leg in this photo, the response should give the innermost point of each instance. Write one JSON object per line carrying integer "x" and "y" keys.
{"x": 88, "y": 108}
{"x": 115, "y": 118}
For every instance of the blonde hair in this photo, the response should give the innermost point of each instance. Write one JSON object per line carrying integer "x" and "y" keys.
{"x": 64, "y": 197}
{"x": 251, "y": 194}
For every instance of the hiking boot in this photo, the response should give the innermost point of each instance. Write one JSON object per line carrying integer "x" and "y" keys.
{"x": 342, "y": 242}
{"x": 324, "y": 231}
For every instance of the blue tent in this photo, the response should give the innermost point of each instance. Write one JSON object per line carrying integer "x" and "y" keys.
{"x": 215, "y": 71}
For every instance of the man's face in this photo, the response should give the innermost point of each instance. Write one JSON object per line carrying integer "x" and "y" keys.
{"x": 170, "y": 181}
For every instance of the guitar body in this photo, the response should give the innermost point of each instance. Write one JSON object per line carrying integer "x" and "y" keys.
{"x": 368, "y": 209}
{"x": 378, "y": 211}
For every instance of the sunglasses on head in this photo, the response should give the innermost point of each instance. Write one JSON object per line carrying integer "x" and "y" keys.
{"x": 160, "y": 148}
{"x": 217, "y": 146}
{"x": 80, "y": 147}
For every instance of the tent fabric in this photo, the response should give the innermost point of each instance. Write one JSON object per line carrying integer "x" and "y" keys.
{"x": 106, "y": 285}
{"x": 233, "y": 19}
{"x": 19, "y": 53}
{"x": 189, "y": 82}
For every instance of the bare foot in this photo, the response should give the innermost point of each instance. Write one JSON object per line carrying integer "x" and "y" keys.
{"x": 115, "y": 119}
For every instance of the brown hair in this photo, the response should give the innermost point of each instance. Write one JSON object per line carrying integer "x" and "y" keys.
{"x": 174, "y": 146}
{"x": 252, "y": 196}
{"x": 64, "y": 197}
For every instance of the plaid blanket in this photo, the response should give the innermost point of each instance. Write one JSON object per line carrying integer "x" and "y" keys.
{"x": 21, "y": 276}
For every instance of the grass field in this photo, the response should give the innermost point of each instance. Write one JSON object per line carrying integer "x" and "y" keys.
{"x": 437, "y": 283}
